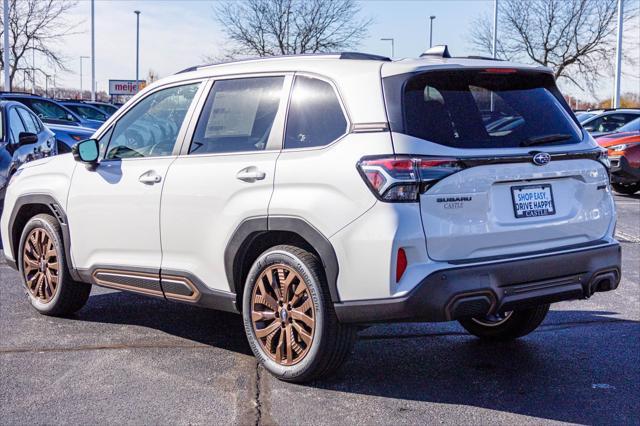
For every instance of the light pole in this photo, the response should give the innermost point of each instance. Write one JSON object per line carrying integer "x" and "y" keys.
{"x": 616, "y": 83}
{"x": 33, "y": 67}
{"x": 5, "y": 52}
{"x": 137, "y": 12}
{"x": 431, "y": 18}
{"x": 93, "y": 51}
{"x": 393, "y": 52}
{"x": 81, "y": 93}
{"x": 46, "y": 84}
{"x": 494, "y": 46}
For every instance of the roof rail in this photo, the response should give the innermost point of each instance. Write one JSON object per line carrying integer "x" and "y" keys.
{"x": 341, "y": 55}
{"x": 441, "y": 51}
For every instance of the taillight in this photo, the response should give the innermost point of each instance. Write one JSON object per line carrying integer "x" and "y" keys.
{"x": 403, "y": 179}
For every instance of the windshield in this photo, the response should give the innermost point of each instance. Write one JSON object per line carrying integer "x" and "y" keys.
{"x": 48, "y": 110}
{"x": 87, "y": 112}
{"x": 632, "y": 126}
{"x": 482, "y": 108}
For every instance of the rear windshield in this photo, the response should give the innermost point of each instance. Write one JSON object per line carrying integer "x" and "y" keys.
{"x": 485, "y": 108}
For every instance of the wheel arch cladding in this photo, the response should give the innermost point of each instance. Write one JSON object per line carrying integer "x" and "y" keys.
{"x": 254, "y": 235}
{"x": 30, "y": 205}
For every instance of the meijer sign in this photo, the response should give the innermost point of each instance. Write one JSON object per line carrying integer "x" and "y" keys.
{"x": 125, "y": 87}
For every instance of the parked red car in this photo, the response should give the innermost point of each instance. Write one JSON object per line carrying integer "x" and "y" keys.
{"x": 624, "y": 153}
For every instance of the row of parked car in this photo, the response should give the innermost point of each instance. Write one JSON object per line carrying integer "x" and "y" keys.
{"x": 617, "y": 130}
{"x": 33, "y": 127}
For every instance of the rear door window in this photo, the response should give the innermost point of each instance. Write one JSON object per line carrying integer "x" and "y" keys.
{"x": 609, "y": 122}
{"x": 16, "y": 126}
{"x": 238, "y": 116}
{"x": 31, "y": 125}
{"x": 482, "y": 109}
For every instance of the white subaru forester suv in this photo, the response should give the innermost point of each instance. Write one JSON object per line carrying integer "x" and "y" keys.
{"x": 313, "y": 194}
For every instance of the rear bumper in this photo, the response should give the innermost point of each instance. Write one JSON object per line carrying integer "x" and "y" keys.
{"x": 622, "y": 171}
{"x": 479, "y": 290}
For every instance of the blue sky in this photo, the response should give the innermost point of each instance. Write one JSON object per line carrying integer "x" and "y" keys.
{"x": 180, "y": 33}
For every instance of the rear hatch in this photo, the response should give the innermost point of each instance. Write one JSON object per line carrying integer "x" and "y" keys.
{"x": 505, "y": 167}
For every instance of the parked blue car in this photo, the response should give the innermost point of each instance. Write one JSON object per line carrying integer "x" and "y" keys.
{"x": 50, "y": 111}
{"x": 105, "y": 107}
{"x": 68, "y": 136}
{"x": 85, "y": 111}
{"x": 23, "y": 138}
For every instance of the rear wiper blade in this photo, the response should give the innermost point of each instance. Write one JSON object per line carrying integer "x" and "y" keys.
{"x": 541, "y": 140}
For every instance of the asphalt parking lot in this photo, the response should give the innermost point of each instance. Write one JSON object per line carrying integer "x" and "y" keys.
{"x": 128, "y": 359}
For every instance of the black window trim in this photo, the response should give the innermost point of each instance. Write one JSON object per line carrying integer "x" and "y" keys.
{"x": 345, "y": 112}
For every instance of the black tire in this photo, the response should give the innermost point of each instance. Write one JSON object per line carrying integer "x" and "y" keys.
{"x": 517, "y": 324}
{"x": 627, "y": 188}
{"x": 69, "y": 295}
{"x": 331, "y": 341}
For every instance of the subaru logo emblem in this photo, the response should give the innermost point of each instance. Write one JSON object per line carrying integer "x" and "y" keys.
{"x": 541, "y": 158}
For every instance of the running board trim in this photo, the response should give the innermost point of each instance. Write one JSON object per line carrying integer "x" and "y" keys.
{"x": 137, "y": 282}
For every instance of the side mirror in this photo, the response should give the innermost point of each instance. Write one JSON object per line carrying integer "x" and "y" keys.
{"x": 86, "y": 151}
{"x": 26, "y": 138}
{"x": 70, "y": 117}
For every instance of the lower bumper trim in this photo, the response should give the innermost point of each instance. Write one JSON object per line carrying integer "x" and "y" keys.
{"x": 478, "y": 290}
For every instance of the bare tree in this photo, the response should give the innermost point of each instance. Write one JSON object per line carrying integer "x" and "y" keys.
{"x": 283, "y": 27}
{"x": 573, "y": 37}
{"x": 35, "y": 26}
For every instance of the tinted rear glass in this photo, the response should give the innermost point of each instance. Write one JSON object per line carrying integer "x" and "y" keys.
{"x": 483, "y": 109}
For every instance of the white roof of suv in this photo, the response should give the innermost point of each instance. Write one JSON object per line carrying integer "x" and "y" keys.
{"x": 353, "y": 74}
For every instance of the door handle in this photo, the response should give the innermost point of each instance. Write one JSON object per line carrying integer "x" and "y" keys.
{"x": 150, "y": 177}
{"x": 250, "y": 174}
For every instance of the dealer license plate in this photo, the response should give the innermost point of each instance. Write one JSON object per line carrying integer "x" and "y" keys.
{"x": 533, "y": 200}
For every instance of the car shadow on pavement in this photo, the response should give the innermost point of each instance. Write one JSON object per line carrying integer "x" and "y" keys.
{"x": 579, "y": 366}
{"x": 205, "y": 326}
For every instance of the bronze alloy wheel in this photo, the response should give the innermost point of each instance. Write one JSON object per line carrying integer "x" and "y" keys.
{"x": 283, "y": 314}
{"x": 40, "y": 265}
